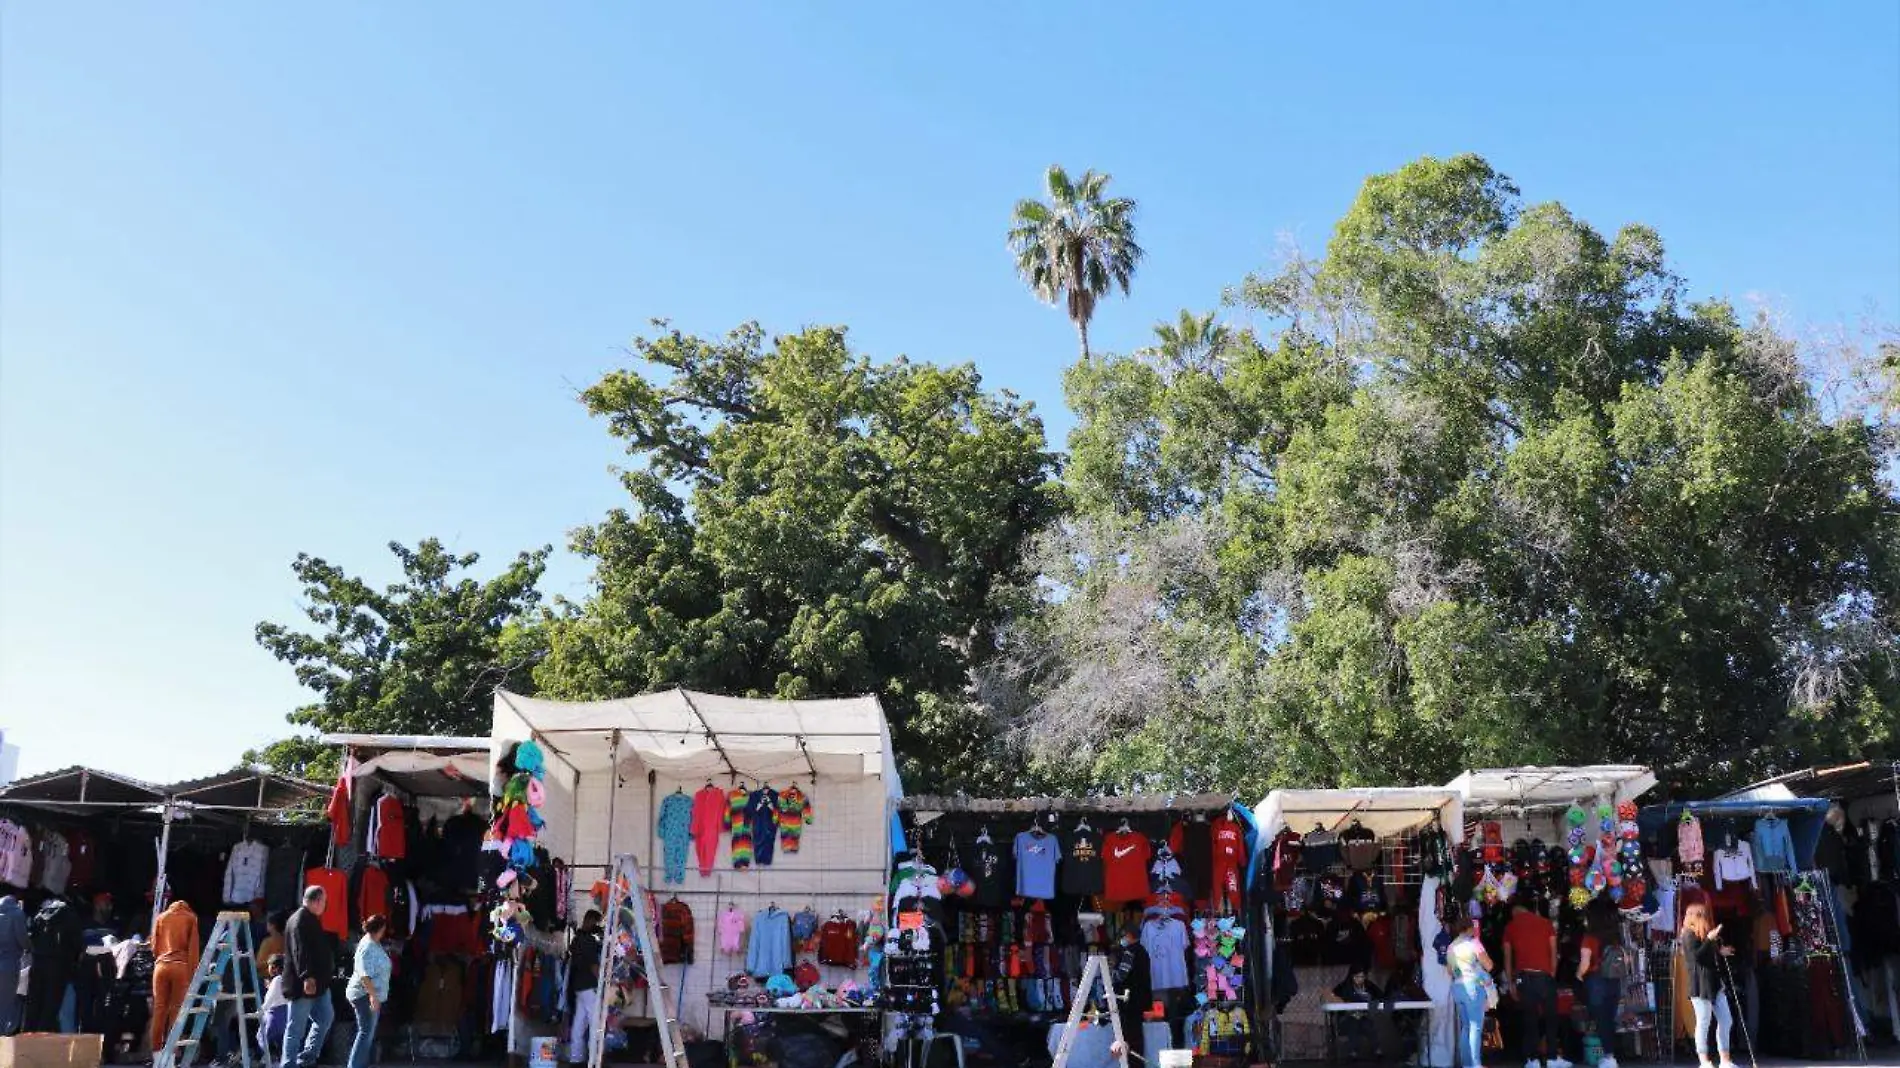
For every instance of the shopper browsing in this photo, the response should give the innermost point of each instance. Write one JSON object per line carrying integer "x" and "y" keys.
{"x": 368, "y": 987}
{"x": 583, "y": 963}
{"x": 309, "y": 967}
{"x": 1530, "y": 971}
{"x": 1471, "y": 987}
{"x": 276, "y": 1010}
{"x": 1702, "y": 951}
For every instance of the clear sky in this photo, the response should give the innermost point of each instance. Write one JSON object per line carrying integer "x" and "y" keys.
{"x": 277, "y": 278}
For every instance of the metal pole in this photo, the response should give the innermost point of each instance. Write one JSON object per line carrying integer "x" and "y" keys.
{"x": 164, "y": 850}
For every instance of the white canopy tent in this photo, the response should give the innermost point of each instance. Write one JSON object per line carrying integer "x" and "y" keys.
{"x": 1385, "y": 811}
{"x": 611, "y": 763}
{"x": 1535, "y": 789}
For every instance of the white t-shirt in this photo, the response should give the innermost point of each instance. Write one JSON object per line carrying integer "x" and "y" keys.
{"x": 1734, "y": 865}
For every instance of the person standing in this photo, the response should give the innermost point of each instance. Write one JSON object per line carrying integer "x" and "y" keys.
{"x": 583, "y": 963}
{"x": 1471, "y": 986}
{"x": 1133, "y": 977}
{"x": 175, "y": 950}
{"x": 1603, "y": 965}
{"x": 14, "y": 944}
{"x": 1530, "y": 969}
{"x": 309, "y": 967}
{"x": 1702, "y": 952}
{"x": 367, "y": 989}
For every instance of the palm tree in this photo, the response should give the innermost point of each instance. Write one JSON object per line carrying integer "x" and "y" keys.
{"x": 1192, "y": 339}
{"x": 1077, "y": 246}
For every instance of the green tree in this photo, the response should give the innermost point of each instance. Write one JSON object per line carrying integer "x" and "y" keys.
{"x": 1191, "y": 339}
{"x": 805, "y": 522}
{"x": 423, "y": 655}
{"x": 1077, "y": 246}
{"x": 1485, "y": 489}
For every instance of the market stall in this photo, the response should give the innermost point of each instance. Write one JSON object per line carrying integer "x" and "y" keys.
{"x": 1350, "y": 880}
{"x": 1556, "y": 851}
{"x": 407, "y": 818}
{"x": 762, "y": 828}
{"x": 1023, "y": 890}
{"x": 1857, "y": 843}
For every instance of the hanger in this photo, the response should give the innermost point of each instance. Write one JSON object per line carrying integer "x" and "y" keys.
{"x": 1083, "y": 824}
{"x": 1124, "y": 828}
{"x": 983, "y": 835}
{"x": 679, "y": 789}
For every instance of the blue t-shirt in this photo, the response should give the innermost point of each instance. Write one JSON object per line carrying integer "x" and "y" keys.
{"x": 1036, "y": 865}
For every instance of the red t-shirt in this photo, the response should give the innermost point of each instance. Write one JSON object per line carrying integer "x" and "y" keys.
{"x": 1125, "y": 856}
{"x": 838, "y": 943}
{"x": 1229, "y": 858}
{"x": 1529, "y": 936}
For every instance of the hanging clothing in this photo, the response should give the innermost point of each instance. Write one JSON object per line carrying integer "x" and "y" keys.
{"x": 1229, "y": 841}
{"x": 740, "y": 826}
{"x": 335, "y": 884}
{"x": 1689, "y": 843}
{"x": 1035, "y": 864}
{"x": 1774, "y": 845}
{"x": 676, "y": 932}
{"x": 769, "y": 952}
{"x": 388, "y": 837}
{"x": 762, "y": 813}
{"x": 338, "y": 810}
{"x": 675, "y": 826}
{"x": 1082, "y": 863}
{"x": 1165, "y": 939}
{"x": 16, "y": 855}
{"x": 731, "y": 930}
{"x": 1735, "y": 865}
{"x": 709, "y": 821}
{"x": 1125, "y": 856}
{"x": 244, "y": 872}
{"x": 838, "y": 943}
{"x": 794, "y": 815}
{"x": 993, "y": 872}
{"x": 56, "y": 865}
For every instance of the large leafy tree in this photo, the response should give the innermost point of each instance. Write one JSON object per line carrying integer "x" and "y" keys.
{"x": 1076, "y": 246}
{"x": 1482, "y": 488}
{"x": 422, "y": 655}
{"x": 804, "y": 522}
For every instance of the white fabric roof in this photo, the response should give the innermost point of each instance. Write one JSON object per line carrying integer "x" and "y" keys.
{"x": 1385, "y": 811}
{"x": 1533, "y": 787}
{"x": 684, "y": 732}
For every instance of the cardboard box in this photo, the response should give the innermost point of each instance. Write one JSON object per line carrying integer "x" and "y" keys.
{"x": 50, "y": 1051}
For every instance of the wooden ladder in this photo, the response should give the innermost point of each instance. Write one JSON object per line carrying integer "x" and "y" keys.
{"x": 626, "y": 906}
{"x": 227, "y": 973}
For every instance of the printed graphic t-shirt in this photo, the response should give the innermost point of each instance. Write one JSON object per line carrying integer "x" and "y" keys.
{"x": 1036, "y": 864}
{"x": 994, "y": 875}
{"x": 1082, "y": 863}
{"x": 1125, "y": 856}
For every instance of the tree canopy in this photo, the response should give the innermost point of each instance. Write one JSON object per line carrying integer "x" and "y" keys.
{"x": 1478, "y": 487}
{"x": 805, "y": 522}
{"x": 1077, "y": 246}
{"x": 421, "y": 656}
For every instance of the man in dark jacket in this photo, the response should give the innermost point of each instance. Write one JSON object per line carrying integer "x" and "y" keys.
{"x": 583, "y": 963}
{"x": 309, "y": 970}
{"x": 1134, "y": 990}
{"x": 14, "y": 945}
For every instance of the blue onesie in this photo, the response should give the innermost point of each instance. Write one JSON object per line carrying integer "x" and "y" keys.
{"x": 762, "y": 809}
{"x": 675, "y": 824}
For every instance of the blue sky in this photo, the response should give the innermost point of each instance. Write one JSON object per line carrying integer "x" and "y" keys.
{"x": 277, "y": 278}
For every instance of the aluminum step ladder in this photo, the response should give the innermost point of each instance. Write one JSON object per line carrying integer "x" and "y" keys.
{"x": 227, "y": 974}
{"x": 1096, "y": 970}
{"x": 626, "y": 907}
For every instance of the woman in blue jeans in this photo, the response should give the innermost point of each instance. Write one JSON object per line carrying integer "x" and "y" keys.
{"x": 1471, "y": 986}
{"x": 1603, "y": 934}
{"x": 368, "y": 986}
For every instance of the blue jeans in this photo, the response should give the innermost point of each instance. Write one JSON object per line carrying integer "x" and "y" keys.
{"x": 363, "y": 1045}
{"x": 1715, "y": 1008}
{"x": 310, "y": 1020}
{"x": 1470, "y": 999}
{"x": 1603, "y": 995}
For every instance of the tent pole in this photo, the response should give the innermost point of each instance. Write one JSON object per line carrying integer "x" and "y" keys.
{"x": 710, "y": 735}
{"x": 164, "y": 849}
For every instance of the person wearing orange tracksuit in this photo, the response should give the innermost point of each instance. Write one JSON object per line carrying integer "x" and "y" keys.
{"x": 175, "y": 950}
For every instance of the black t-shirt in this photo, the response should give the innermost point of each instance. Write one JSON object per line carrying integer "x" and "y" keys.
{"x": 1081, "y": 868}
{"x": 1197, "y": 857}
{"x": 1306, "y": 940}
{"x": 994, "y": 872}
{"x": 1347, "y": 943}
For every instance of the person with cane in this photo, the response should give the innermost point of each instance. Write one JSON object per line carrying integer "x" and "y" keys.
{"x": 1704, "y": 958}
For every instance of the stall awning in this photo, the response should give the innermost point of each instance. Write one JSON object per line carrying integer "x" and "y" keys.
{"x": 684, "y": 732}
{"x": 1385, "y": 811}
{"x": 79, "y": 789}
{"x": 245, "y": 790}
{"x": 1847, "y": 782}
{"x": 1529, "y": 788}
{"x": 422, "y": 765}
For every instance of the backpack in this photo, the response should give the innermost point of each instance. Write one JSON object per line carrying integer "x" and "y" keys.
{"x": 1616, "y": 963}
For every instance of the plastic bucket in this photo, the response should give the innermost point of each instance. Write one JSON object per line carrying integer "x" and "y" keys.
{"x": 1175, "y": 1058}
{"x": 543, "y": 1052}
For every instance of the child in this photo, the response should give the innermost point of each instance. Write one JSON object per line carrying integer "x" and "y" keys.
{"x": 270, "y": 1034}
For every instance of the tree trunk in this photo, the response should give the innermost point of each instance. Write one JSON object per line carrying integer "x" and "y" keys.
{"x": 1082, "y": 328}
